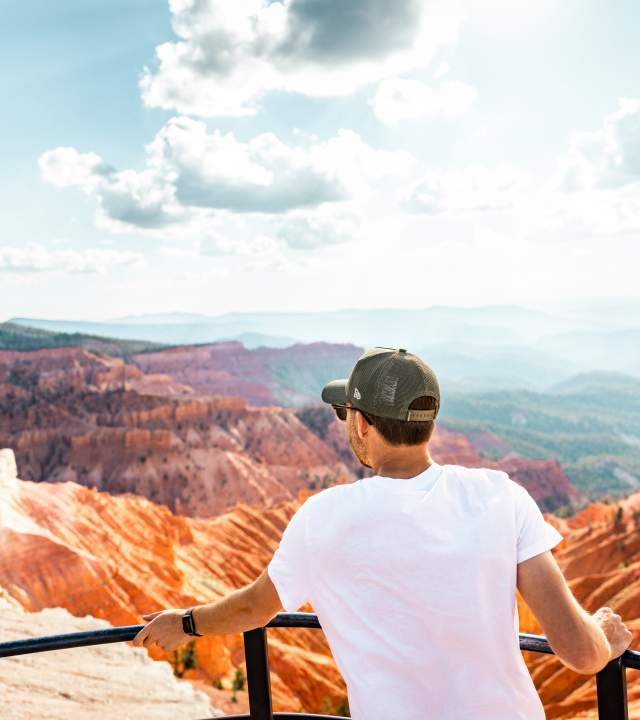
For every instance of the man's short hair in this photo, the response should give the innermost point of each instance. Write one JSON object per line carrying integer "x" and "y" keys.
{"x": 404, "y": 432}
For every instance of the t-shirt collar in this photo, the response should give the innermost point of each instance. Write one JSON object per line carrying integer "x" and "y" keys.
{"x": 423, "y": 481}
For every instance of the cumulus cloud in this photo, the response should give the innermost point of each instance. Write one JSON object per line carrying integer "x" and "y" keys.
{"x": 399, "y": 99}
{"x": 229, "y": 54}
{"x": 141, "y": 199}
{"x": 598, "y": 213}
{"x": 215, "y": 170}
{"x": 362, "y": 168}
{"x": 37, "y": 258}
{"x": 606, "y": 158}
{"x": 313, "y": 230}
{"x": 191, "y": 175}
{"x": 126, "y": 198}
{"x": 216, "y": 244}
{"x": 476, "y": 188}
{"x": 66, "y": 167}
{"x": 601, "y": 169}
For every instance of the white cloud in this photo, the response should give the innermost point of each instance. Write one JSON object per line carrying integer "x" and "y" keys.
{"x": 214, "y": 170}
{"x": 140, "y": 199}
{"x": 595, "y": 213}
{"x": 361, "y": 168}
{"x": 230, "y": 54}
{"x": 440, "y": 71}
{"x": 125, "y": 198}
{"x": 602, "y": 169}
{"x": 194, "y": 177}
{"x": 309, "y": 231}
{"x": 37, "y": 258}
{"x": 66, "y": 167}
{"x": 606, "y": 158}
{"x": 216, "y": 244}
{"x": 399, "y": 99}
{"x": 474, "y": 188}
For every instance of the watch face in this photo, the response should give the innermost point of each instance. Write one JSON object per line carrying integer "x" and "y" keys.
{"x": 187, "y": 624}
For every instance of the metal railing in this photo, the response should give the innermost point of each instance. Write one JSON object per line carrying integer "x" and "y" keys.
{"x": 611, "y": 683}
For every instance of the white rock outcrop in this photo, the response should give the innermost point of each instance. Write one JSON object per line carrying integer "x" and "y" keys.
{"x": 89, "y": 683}
{"x": 8, "y": 467}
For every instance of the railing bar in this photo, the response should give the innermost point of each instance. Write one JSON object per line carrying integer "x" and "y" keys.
{"x": 631, "y": 659}
{"x": 69, "y": 640}
{"x": 611, "y": 685}
{"x": 610, "y": 681}
{"x": 258, "y": 681}
{"x": 533, "y": 643}
{"x": 291, "y": 620}
{"x": 289, "y": 716}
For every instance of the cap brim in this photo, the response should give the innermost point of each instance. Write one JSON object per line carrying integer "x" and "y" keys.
{"x": 335, "y": 392}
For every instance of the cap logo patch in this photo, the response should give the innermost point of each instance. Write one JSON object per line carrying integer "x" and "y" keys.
{"x": 356, "y": 394}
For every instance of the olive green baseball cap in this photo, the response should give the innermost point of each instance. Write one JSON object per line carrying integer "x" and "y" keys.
{"x": 384, "y": 382}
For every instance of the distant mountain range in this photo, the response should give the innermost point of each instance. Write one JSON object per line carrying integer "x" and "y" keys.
{"x": 385, "y": 326}
{"x": 15, "y": 336}
{"x": 471, "y": 349}
{"x": 590, "y": 423}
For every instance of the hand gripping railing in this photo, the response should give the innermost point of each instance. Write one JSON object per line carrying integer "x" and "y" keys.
{"x": 611, "y": 682}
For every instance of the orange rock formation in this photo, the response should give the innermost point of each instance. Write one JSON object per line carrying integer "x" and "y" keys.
{"x": 198, "y": 456}
{"x": 116, "y": 558}
{"x": 600, "y": 557}
{"x": 74, "y": 415}
{"x": 263, "y": 376}
{"x": 75, "y": 369}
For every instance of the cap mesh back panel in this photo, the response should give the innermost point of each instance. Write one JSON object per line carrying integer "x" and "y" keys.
{"x": 389, "y": 383}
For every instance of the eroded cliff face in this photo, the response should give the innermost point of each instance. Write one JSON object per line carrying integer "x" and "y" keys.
{"x": 600, "y": 557}
{"x": 197, "y": 456}
{"x": 74, "y": 415}
{"x": 119, "y": 557}
{"x": 289, "y": 376}
{"x": 74, "y": 369}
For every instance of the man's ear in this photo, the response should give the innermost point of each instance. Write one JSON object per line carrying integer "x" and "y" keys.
{"x": 362, "y": 425}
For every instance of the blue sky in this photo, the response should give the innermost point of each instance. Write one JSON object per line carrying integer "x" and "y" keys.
{"x": 293, "y": 156}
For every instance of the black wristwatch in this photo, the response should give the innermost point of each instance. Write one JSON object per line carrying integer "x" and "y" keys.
{"x": 188, "y": 624}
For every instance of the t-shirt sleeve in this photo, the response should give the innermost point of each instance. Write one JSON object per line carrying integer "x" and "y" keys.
{"x": 289, "y": 566}
{"x": 535, "y": 534}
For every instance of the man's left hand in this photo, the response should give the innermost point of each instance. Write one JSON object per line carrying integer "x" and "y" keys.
{"x": 165, "y": 629}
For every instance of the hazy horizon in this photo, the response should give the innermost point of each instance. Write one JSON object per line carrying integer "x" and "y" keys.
{"x": 553, "y": 306}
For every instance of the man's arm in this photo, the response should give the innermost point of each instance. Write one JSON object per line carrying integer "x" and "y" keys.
{"x": 577, "y": 638}
{"x": 244, "y": 609}
{"x": 247, "y": 608}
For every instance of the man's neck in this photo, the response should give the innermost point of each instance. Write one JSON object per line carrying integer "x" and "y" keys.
{"x": 404, "y": 464}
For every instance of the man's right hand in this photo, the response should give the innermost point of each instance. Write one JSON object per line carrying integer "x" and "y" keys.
{"x": 617, "y": 633}
{"x": 583, "y": 642}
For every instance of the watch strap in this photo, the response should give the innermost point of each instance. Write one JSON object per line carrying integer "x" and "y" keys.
{"x": 188, "y": 624}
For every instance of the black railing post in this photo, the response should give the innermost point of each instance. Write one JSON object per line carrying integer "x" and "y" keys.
{"x": 611, "y": 684}
{"x": 258, "y": 680}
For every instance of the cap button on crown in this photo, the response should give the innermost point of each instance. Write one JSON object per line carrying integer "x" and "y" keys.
{"x": 402, "y": 350}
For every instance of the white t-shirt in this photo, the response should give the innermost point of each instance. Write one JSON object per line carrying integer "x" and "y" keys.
{"x": 414, "y": 581}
